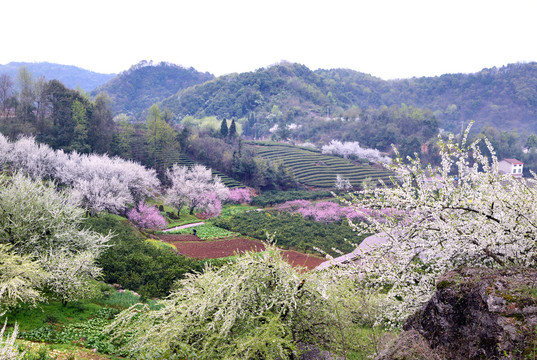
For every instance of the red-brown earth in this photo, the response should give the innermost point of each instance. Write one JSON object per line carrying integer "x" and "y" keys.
{"x": 192, "y": 246}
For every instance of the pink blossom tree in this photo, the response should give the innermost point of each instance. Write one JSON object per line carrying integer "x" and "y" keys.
{"x": 239, "y": 196}
{"x": 147, "y": 217}
{"x": 211, "y": 206}
{"x": 190, "y": 187}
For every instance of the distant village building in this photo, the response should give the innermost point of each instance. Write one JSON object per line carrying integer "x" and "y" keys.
{"x": 511, "y": 166}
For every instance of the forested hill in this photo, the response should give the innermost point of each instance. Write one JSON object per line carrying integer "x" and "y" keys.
{"x": 70, "y": 76}
{"x": 505, "y": 97}
{"x": 146, "y": 83}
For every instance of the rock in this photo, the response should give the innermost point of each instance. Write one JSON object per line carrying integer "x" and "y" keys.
{"x": 312, "y": 352}
{"x": 410, "y": 345}
{"x": 479, "y": 313}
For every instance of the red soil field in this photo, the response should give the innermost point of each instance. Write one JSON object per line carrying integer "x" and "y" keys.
{"x": 192, "y": 246}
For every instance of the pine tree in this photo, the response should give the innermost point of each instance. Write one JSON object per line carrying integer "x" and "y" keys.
{"x": 223, "y": 128}
{"x": 232, "y": 129}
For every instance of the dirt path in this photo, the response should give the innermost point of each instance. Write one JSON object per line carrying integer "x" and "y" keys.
{"x": 184, "y": 226}
{"x": 191, "y": 246}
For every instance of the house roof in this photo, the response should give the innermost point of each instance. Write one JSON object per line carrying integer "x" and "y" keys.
{"x": 513, "y": 161}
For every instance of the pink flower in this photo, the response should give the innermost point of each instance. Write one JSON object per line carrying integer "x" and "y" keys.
{"x": 239, "y": 196}
{"x": 147, "y": 217}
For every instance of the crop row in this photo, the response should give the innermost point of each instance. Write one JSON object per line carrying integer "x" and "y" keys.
{"x": 319, "y": 170}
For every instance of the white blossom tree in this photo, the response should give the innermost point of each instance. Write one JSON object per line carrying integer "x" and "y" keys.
{"x": 8, "y": 348}
{"x": 190, "y": 187}
{"x": 342, "y": 183}
{"x": 353, "y": 148}
{"x": 258, "y": 307}
{"x": 473, "y": 216}
{"x": 43, "y": 243}
{"x": 102, "y": 183}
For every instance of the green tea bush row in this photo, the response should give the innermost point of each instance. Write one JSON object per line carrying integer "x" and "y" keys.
{"x": 270, "y": 198}
{"x": 293, "y": 231}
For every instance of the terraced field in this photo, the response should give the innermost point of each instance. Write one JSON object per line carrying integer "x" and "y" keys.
{"x": 229, "y": 182}
{"x": 314, "y": 169}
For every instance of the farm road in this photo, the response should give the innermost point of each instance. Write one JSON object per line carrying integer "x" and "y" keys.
{"x": 184, "y": 226}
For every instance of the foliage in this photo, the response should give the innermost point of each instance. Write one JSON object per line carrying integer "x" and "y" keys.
{"x": 291, "y": 231}
{"x": 239, "y": 162}
{"x": 161, "y": 139}
{"x": 87, "y": 333}
{"x": 147, "y": 217}
{"x": 144, "y": 84}
{"x": 472, "y": 216}
{"x": 269, "y": 198}
{"x": 206, "y": 232}
{"x": 42, "y": 229}
{"x": 257, "y": 307}
{"x": 136, "y": 264}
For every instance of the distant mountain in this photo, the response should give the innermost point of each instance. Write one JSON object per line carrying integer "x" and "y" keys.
{"x": 146, "y": 83}
{"x": 505, "y": 97}
{"x": 69, "y": 75}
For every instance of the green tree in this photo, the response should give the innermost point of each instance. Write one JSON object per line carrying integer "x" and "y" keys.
{"x": 531, "y": 143}
{"x": 232, "y": 129}
{"x": 123, "y": 137}
{"x": 162, "y": 146}
{"x": 223, "y": 129}
{"x": 101, "y": 127}
{"x": 80, "y": 137}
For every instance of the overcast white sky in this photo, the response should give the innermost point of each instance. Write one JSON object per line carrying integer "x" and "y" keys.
{"x": 385, "y": 38}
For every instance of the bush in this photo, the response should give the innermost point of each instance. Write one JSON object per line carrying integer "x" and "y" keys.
{"x": 136, "y": 264}
{"x": 277, "y": 197}
{"x": 292, "y": 231}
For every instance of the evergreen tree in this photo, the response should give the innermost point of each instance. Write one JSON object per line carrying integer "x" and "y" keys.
{"x": 232, "y": 129}
{"x": 223, "y": 129}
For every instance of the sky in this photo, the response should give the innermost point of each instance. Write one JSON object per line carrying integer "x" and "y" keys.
{"x": 385, "y": 38}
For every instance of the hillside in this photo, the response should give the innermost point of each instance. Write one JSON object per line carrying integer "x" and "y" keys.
{"x": 504, "y": 97}
{"x": 316, "y": 170}
{"x": 146, "y": 83}
{"x": 69, "y": 75}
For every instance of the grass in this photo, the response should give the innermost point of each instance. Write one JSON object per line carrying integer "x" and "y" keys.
{"x": 52, "y": 329}
{"x": 207, "y": 232}
{"x": 233, "y": 209}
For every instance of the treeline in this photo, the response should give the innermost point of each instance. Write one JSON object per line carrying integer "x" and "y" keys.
{"x": 70, "y": 120}
{"x": 60, "y": 117}
{"x": 504, "y": 97}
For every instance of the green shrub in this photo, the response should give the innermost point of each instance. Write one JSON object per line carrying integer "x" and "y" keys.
{"x": 269, "y": 198}
{"x": 292, "y": 231}
{"x": 136, "y": 264}
{"x": 206, "y": 232}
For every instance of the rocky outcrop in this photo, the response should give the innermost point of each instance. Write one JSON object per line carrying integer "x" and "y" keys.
{"x": 475, "y": 314}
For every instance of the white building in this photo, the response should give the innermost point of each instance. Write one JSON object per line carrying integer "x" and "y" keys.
{"x": 511, "y": 166}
